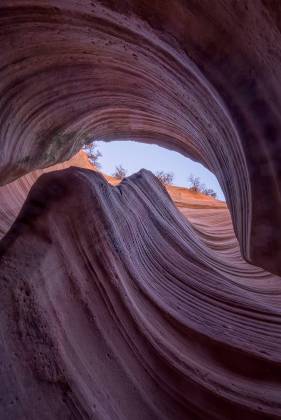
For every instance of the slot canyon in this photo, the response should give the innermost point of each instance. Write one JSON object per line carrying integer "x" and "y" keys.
{"x": 130, "y": 300}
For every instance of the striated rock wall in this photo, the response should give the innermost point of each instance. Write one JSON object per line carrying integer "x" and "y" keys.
{"x": 200, "y": 79}
{"x": 116, "y": 306}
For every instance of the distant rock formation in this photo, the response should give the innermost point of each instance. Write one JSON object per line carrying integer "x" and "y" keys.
{"x": 13, "y": 195}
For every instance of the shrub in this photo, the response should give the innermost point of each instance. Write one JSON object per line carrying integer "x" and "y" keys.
{"x": 93, "y": 154}
{"x": 210, "y": 192}
{"x": 165, "y": 177}
{"x": 119, "y": 172}
{"x": 195, "y": 185}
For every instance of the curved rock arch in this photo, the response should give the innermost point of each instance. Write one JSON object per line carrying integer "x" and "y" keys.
{"x": 74, "y": 70}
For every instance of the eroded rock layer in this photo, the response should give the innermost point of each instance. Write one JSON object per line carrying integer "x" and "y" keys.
{"x": 200, "y": 79}
{"x": 116, "y": 306}
{"x": 13, "y": 195}
{"x": 114, "y": 303}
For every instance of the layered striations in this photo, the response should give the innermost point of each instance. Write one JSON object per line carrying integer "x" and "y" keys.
{"x": 116, "y": 302}
{"x": 116, "y": 306}
{"x": 198, "y": 79}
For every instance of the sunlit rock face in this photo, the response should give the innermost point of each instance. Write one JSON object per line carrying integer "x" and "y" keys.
{"x": 13, "y": 195}
{"x": 115, "y": 303}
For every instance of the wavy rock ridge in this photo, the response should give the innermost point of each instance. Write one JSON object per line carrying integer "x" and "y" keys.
{"x": 100, "y": 322}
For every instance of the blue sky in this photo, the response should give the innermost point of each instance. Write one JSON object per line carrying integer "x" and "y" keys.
{"x": 134, "y": 156}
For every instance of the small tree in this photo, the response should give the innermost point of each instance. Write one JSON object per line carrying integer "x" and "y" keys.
{"x": 93, "y": 154}
{"x": 165, "y": 177}
{"x": 197, "y": 186}
{"x": 210, "y": 192}
{"x": 194, "y": 183}
{"x": 119, "y": 172}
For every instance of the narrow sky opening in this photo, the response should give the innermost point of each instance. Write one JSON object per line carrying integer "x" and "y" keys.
{"x": 134, "y": 156}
